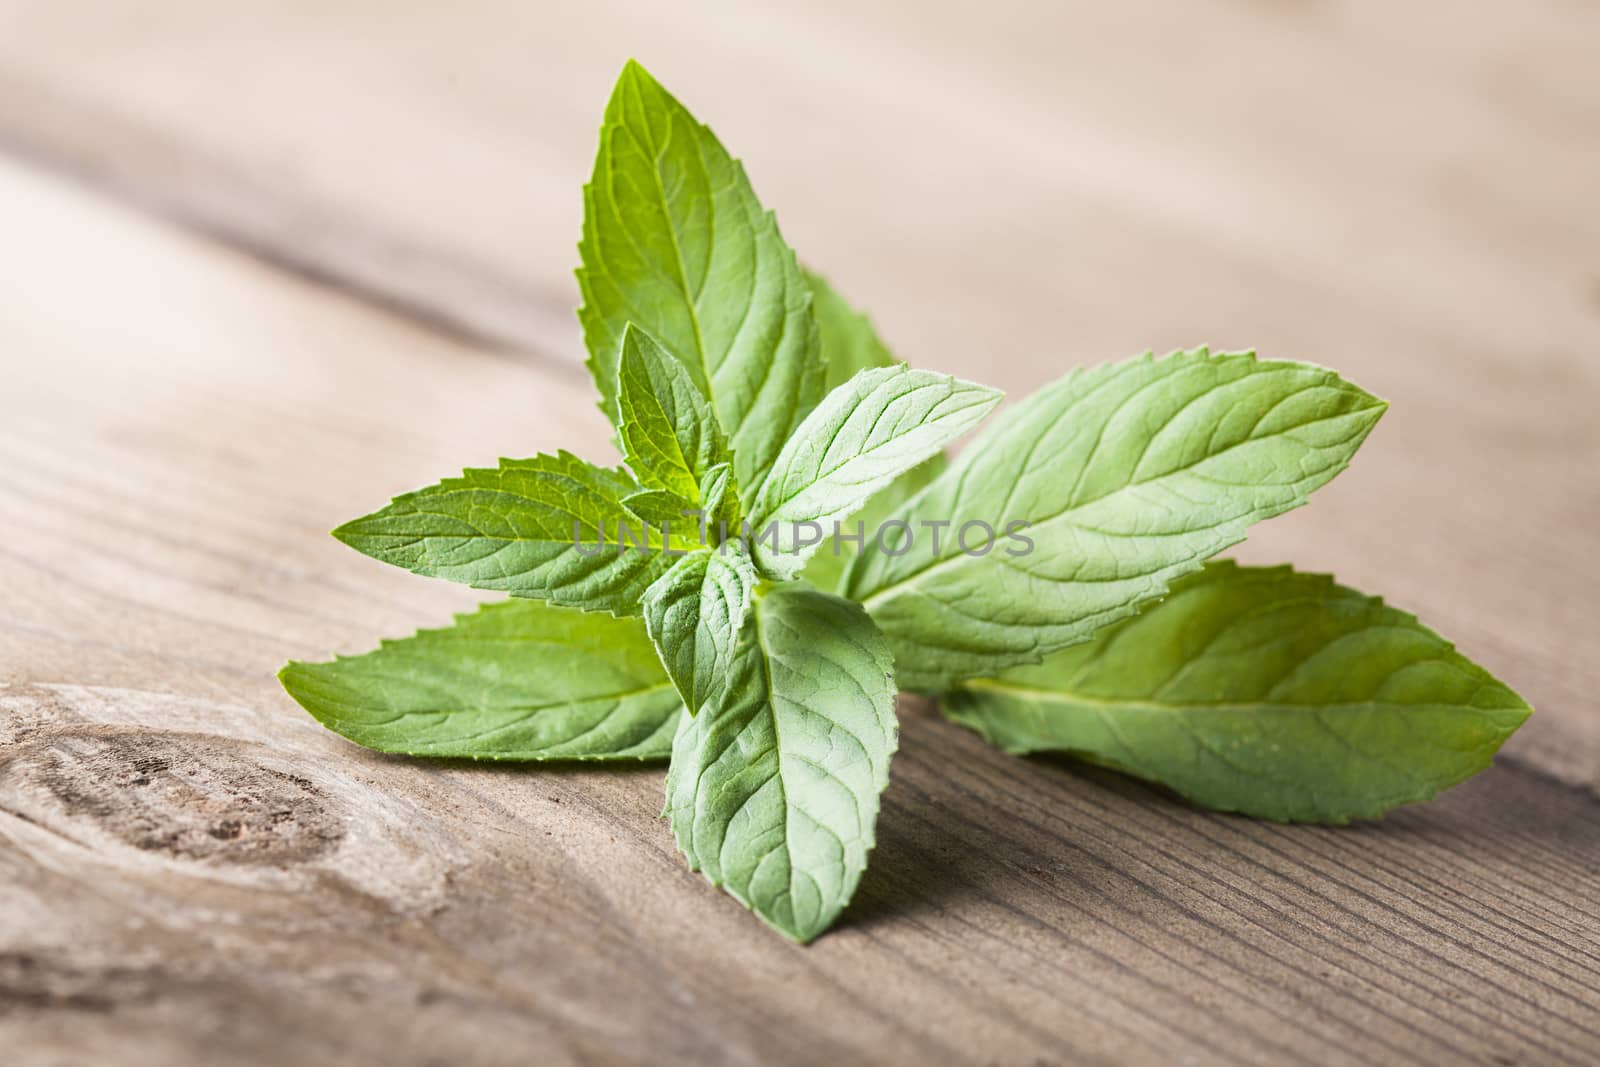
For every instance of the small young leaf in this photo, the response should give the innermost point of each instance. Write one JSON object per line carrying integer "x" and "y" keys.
{"x": 517, "y": 680}
{"x": 547, "y": 528}
{"x": 719, "y": 501}
{"x": 664, "y": 509}
{"x": 675, "y": 241}
{"x": 1128, "y": 476}
{"x": 877, "y": 426}
{"x": 1262, "y": 691}
{"x": 668, "y": 432}
{"x": 695, "y": 614}
{"x": 717, "y": 511}
{"x": 773, "y": 788}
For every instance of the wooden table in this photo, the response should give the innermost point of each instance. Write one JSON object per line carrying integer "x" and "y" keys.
{"x": 262, "y": 266}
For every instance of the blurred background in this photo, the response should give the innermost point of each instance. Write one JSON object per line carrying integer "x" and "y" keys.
{"x": 1012, "y": 185}
{"x": 1404, "y": 192}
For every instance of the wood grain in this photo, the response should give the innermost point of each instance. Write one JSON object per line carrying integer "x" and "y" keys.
{"x": 194, "y": 871}
{"x": 1052, "y": 185}
{"x": 191, "y": 871}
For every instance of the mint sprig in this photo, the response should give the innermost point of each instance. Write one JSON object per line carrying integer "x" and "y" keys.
{"x": 1050, "y": 584}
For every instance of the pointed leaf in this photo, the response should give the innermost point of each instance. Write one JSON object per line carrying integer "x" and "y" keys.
{"x": 517, "y": 680}
{"x": 719, "y": 499}
{"x": 1127, "y": 477}
{"x": 663, "y": 509}
{"x": 866, "y": 433}
{"x": 773, "y": 789}
{"x": 1263, "y": 691}
{"x": 668, "y": 432}
{"x": 675, "y": 241}
{"x": 546, "y": 528}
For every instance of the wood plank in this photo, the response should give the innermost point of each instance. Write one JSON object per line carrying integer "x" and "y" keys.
{"x": 192, "y": 871}
{"x": 1051, "y": 185}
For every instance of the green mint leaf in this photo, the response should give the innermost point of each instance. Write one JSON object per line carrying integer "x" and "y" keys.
{"x": 695, "y": 614}
{"x": 773, "y": 788}
{"x": 664, "y": 509}
{"x": 719, "y": 499}
{"x": 849, "y": 342}
{"x": 1263, "y": 691}
{"x": 1128, "y": 476}
{"x": 827, "y": 567}
{"x": 717, "y": 511}
{"x": 877, "y": 426}
{"x": 547, "y": 528}
{"x": 675, "y": 241}
{"x": 668, "y": 432}
{"x": 517, "y": 680}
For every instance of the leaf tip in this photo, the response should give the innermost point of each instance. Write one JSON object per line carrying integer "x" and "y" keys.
{"x": 294, "y": 676}
{"x": 987, "y": 395}
{"x": 348, "y": 533}
{"x": 634, "y": 76}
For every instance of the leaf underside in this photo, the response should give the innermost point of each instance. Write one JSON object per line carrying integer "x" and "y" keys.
{"x": 518, "y": 528}
{"x": 1263, "y": 691}
{"x": 876, "y": 427}
{"x": 517, "y": 680}
{"x": 773, "y": 788}
{"x": 1130, "y": 475}
{"x": 695, "y": 614}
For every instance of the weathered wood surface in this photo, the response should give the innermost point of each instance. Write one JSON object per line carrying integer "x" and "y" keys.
{"x": 193, "y": 871}
{"x": 1047, "y": 186}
